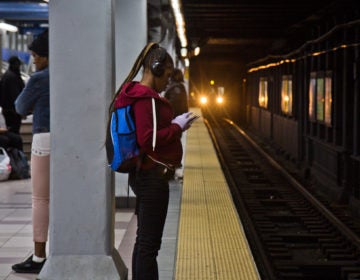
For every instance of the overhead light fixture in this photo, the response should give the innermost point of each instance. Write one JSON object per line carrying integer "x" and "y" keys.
{"x": 8, "y": 27}
{"x": 184, "y": 52}
{"x": 187, "y": 62}
{"x": 180, "y": 23}
{"x": 197, "y": 51}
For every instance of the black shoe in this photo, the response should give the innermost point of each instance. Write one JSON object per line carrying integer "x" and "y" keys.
{"x": 28, "y": 266}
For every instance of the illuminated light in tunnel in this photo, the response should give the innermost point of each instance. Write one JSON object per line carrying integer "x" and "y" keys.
{"x": 219, "y": 99}
{"x": 203, "y": 100}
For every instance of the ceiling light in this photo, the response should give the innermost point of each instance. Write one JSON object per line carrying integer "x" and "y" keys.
{"x": 187, "y": 62}
{"x": 183, "y": 52}
{"x": 197, "y": 51}
{"x": 8, "y": 27}
{"x": 180, "y": 23}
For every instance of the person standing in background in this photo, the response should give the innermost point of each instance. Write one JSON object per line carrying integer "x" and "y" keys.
{"x": 35, "y": 99}
{"x": 10, "y": 87}
{"x": 176, "y": 93}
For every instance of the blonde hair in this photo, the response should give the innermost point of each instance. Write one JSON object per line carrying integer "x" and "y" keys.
{"x": 144, "y": 59}
{"x": 134, "y": 70}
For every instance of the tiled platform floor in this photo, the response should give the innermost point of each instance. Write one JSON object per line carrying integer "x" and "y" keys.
{"x": 16, "y": 231}
{"x": 15, "y": 226}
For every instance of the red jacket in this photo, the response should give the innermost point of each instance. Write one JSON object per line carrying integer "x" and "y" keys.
{"x": 168, "y": 148}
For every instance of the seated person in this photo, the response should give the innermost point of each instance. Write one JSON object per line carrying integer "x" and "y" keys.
{"x": 9, "y": 139}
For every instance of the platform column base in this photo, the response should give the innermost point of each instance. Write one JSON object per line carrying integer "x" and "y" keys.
{"x": 74, "y": 267}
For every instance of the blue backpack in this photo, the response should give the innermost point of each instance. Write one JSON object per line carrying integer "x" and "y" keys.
{"x": 121, "y": 145}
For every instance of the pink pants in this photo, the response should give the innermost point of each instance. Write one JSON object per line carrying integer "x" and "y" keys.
{"x": 40, "y": 177}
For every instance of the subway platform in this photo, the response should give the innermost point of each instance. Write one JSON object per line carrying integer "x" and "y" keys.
{"x": 203, "y": 236}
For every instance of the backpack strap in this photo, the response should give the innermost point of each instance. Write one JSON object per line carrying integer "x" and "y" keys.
{"x": 142, "y": 157}
{"x": 154, "y": 123}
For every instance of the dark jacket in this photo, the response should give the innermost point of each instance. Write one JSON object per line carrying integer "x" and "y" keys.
{"x": 168, "y": 148}
{"x": 11, "y": 86}
{"x": 176, "y": 94}
{"x": 35, "y": 99}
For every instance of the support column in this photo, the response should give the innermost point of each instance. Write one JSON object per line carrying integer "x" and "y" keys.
{"x": 130, "y": 39}
{"x": 356, "y": 139}
{"x": 81, "y": 192}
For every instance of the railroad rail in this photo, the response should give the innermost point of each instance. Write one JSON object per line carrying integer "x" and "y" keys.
{"x": 293, "y": 234}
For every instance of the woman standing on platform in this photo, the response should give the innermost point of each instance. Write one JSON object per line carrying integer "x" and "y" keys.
{"x": 34, "y": 99}
{"x": 150, "y": 181}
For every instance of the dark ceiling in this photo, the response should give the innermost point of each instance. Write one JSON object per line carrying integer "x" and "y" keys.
{"x": 245, "y": 30}
{"x": 250, "y": 29}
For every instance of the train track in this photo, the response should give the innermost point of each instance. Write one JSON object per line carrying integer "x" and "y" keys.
{"x": 292, "y": 234}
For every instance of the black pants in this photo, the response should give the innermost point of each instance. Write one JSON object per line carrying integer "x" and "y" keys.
{"x": 13, "y": 120}
{"x": 152, "y": 199}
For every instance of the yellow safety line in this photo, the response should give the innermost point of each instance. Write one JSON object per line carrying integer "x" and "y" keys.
{"x": 211, "y": 241}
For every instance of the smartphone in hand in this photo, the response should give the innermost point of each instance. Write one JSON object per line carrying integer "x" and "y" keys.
{"x": 192, "y": 118}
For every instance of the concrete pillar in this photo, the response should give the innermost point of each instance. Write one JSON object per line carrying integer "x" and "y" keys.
{"x": 130, "y": 39}
{"x": 81, "y": 192}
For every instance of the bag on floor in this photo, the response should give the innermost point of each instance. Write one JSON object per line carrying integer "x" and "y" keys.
{"x": 5, "y": 167}
{"x": 20, "y": 168}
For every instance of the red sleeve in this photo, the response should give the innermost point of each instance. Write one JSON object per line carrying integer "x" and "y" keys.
{"x": 166, "y": 133}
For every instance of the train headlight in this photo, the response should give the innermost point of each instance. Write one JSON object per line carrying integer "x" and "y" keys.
{"x": 219, "y": 100}
{"x": 203, "y": 100}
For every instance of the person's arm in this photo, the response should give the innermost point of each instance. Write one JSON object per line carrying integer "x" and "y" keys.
{"x": 144, "y": 127}
{"x": 24, "y": 103}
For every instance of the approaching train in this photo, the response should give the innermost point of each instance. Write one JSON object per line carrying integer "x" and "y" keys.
{"x": 214, "y": 97}
{"x": 307, "y": 103}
